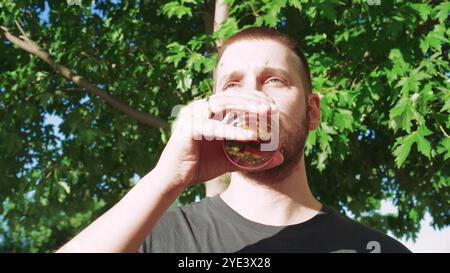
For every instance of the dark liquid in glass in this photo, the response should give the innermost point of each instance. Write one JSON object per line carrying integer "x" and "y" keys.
{"x": 248, "y": 154}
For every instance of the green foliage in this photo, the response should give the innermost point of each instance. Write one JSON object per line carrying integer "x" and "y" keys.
{"x": 381, "y": 72}
{"x": 177, "y": 9}
{"x": 403, "y": 145}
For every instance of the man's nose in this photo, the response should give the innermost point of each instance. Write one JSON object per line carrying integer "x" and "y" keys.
{"x": 252, "y": 84}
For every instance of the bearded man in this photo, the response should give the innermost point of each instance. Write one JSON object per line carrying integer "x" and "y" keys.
{"x": 270, "y": 209}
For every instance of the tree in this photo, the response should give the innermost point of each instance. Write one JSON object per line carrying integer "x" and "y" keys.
{"x": 381, "y": 71}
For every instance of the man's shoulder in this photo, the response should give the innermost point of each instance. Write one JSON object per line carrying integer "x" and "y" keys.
{"x": 349, "y": 229}
{"x": 176, "y": 230}
{"x": 338, "y": 231}
{"x": 188, "y": 213}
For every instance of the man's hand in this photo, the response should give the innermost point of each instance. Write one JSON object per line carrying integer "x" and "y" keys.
{"x": 194, "y": 152}
{"x": 184, "y": 161}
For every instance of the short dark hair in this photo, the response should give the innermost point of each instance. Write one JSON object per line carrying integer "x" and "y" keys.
{"x": 265, "y": 33}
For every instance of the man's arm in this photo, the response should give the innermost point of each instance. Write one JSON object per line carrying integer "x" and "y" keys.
{"x": 124, "y": 227}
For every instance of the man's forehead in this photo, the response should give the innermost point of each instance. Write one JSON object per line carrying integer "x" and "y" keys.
{"x": 256, "y": 55}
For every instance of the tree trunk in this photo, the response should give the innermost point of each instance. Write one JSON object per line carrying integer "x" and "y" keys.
{"x": 220, "y": 183}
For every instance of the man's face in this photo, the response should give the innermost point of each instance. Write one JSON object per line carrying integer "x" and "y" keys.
{"x": 272, "y": 68}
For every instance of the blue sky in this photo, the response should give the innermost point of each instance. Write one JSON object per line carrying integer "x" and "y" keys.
{"x": 428, "y": 239}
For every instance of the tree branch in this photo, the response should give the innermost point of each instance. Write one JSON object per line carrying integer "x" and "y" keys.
{"x": 20, "y": 28}
{"x": 32, "y": 47}
{"x": 74, "y": 90}
{"x": 212, "y": 23}
{"x": 220, "y": 15}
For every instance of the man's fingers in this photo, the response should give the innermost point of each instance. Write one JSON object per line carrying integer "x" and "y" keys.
{"x": 225, "y": 104}
{"x": 240, "y": 100}
{"x": 216, "y": 130}
{"x": 249, "y": 94}
{"x": 202, "y": 109}
{"x": 248, "y": 108}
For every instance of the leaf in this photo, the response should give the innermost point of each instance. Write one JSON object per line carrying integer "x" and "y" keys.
{"x": 400, "y": 67}
{"x": 343, "y": 119}
{"x": 443, "y": 11}
{"x": 423, "y": 9}
{"x": 184, "y": 80}
{"x": 446, "y": 107}
{"x": 324, "y": 142}
{"x": 433, "y": 40}
{"x": 227, "y": 28}
{"x": 195, "y": 62}
{"x": 327, "y": 129}
{"x": 328, "y": 9}
{"x": 423, "y": 145}
{"x": 296, "y": 4}
{"x": 311, "y": 140}
{"x": 398, "y": 18}
{"x": 424, "y": 46}
{"x": 312, "y": 11}
{"x": 322, "y": 157}
{"x": 35, "y": 174}
{"x": 177, "y": 53}
{"x": 403, "y": 145}
{"x": 65, "y": 186}
{"x": 164, "y": 137}
{"x": 196, "y": 42}
{"x": 402, "y": 114}
{"x": 403, "y": 148}
{"x": 272, "y": 15}
{"x": 316, "y": 38}
{"x": 444, "y": 148}
{"x": 413, "y": 215}
{"x": 40, "y": 75}
{"x": 172, "y": 9}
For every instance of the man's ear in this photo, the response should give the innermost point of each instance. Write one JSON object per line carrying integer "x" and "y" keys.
{"x": 313, "y": 111}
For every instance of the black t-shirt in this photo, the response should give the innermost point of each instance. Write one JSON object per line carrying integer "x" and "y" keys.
{"x": 212, "y": 226}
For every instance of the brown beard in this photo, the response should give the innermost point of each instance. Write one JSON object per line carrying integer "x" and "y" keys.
{"x": 292, "y": 144}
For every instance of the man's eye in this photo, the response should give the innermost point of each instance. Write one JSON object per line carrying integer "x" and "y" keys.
{"x": 275, "y": 81}
{"x": 230, "y": 85}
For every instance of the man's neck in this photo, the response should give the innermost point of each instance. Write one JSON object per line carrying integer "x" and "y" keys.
{"x": 282, "y": 203}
